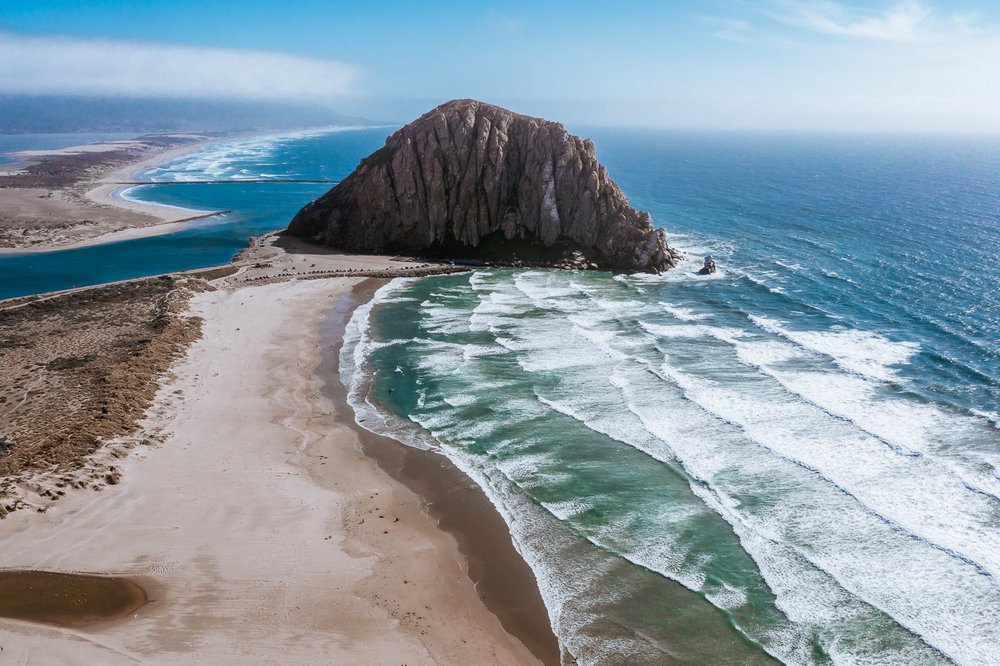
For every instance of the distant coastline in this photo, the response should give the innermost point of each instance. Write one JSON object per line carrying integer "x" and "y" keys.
{"x": 65, "y": 206}
{"x": 119, "y": 216}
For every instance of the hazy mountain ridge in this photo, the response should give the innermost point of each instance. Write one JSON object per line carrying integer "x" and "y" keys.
{"x": 21, "y": 114}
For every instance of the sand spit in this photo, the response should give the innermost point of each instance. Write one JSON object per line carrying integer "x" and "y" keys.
{"x": 270, "y": 535}
{"x": 68, "y": 198}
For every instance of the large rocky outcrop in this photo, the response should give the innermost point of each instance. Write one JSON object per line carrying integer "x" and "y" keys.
{"x": 473, "y": 180}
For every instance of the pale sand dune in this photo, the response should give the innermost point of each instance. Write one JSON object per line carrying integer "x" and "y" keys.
{"x": 254, "y": 523}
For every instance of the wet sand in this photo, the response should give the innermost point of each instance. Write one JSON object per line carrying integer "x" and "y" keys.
{"x": 504, "y": 581}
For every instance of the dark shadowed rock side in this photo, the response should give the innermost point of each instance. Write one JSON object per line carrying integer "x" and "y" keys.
{"x": 470, "y": 180}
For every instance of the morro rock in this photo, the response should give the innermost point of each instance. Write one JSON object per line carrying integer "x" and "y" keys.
{"x": 470, "y": 180}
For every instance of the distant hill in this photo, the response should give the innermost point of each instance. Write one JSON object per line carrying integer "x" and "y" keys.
{"x": 21, "y": 114}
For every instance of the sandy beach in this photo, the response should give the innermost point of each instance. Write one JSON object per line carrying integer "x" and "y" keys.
{"x": 256, "y": 522}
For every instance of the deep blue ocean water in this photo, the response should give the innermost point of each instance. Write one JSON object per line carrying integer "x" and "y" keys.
{"x": 795, "y": 458}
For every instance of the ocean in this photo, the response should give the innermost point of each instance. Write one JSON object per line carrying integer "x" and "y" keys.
{"x": 794, "y": 459}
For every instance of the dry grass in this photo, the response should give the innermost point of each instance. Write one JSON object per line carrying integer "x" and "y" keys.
{"x": 79, "y": 369}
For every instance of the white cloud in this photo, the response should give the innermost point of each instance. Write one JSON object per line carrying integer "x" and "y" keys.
{"x": 904, "y": 21}
{"x": 35, "y": 65}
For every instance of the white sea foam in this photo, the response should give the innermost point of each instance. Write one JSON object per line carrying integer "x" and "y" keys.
{"x": 355, "y": 350}
{"x": 836, "y": 276}
{"x": 992, "y": 417}
{"x": 765, "y": 279}
{"x": 568, "y": 509}
{"x": 493, "y": 308}
{"x": 221, "y": 161}
{"x": 460, "y": 400}
{"x": 542, "y": 287}
{"x": 728, "y": 597}
{"x": 941, "y": 497}
{"x": 568, "y": 577}
{"x": 863, "y": 352}
{"x": 906, "y": 426}
{"x": 807, "y": 596}
{"x": 780, "y": 351}
{"x": 912, "y": 493}
{"x": 798, "y": 540}
{"x": 684, "y": 314}
{"x": 441, "y": 318}
{"x": 127, "y": 194}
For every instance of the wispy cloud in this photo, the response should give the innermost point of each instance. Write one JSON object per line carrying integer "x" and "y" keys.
{"x": 104, "y": 67}
{"x": 731, "y": 30}
{"x": 903, "y": 21}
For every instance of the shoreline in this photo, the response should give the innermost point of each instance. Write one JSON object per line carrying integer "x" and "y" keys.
{"x": 130, "y": 233}
{"x": 506, "y": 584}
{"x": 109, "y": 191}
{"x": 408, "y": 590}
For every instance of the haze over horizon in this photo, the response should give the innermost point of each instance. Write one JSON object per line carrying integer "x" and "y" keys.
{"x": 910, "y": 66}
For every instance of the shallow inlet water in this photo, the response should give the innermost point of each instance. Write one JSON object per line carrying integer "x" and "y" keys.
{"x": 67, "y": 599}
{"x": 795, "y": 458}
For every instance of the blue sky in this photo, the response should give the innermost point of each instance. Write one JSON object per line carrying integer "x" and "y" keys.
{"x": 911, "y": 65}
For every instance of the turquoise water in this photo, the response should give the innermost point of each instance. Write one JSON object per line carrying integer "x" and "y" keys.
{"x": 801, "y": 451}
{"x": 793, "y": 459}
{"x": 256, "y": 208}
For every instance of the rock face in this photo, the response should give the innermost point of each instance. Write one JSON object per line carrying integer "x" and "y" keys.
{"x": 474, "y": 181}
